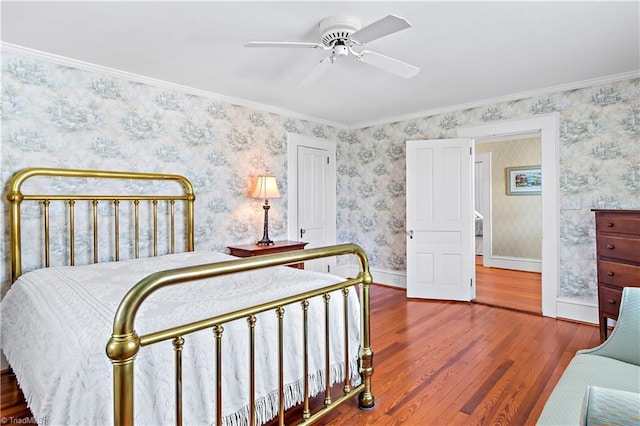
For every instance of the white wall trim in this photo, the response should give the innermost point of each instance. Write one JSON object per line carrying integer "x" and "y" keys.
{"x": 549, "y": 126}
{"x": 380, "y": 276}
{"x": 507, "y": 98}
{"x": 112, "y": 72}
{"x": 577, "y": 310}
{"x": 566, "y": 308}
{"x": 516, "y": 263}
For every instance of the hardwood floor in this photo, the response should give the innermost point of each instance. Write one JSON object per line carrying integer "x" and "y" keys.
{"x": 457, "y": 363}
{"x": 14, "y": 408}
{"x": 439, "y": 362}
{"x": 507, "y": 288}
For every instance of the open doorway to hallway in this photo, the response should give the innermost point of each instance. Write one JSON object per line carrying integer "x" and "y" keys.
{"x": 508, "y": 223}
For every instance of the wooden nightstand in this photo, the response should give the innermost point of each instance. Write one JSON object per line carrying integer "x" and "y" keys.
{"x": 250, "y": 250}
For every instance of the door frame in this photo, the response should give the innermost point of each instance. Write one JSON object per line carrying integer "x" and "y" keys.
{"x": 548, "y": 125}
{"x": 485, "y": 193}
{"x": 295, "y": 140}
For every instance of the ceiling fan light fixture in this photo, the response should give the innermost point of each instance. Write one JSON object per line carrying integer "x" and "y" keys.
{"x": 341, "y": 50}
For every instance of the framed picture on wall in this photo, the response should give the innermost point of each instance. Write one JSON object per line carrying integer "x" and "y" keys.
{"x": 524, "y": 180}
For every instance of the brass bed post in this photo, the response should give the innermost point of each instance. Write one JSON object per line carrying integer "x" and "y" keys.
{"x": 122, "y": 350}
{"x": 365, "y": 399}
{"x": 191, "y": 198}
{"x": 15, "y": 198}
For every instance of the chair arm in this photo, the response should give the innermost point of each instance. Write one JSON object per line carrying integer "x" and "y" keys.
{"x": 624, "y": 342}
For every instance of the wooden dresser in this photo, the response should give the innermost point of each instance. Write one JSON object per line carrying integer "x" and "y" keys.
{"x": 618, "y": 256}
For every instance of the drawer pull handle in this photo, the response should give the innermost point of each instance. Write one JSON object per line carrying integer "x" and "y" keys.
{"x": 611, "y": 273}
{"x": 612, "y": 301}
{"x": 610, "y": 224}
{"x": 611, "y": 246}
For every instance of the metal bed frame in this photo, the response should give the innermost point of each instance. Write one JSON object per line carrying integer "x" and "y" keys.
{"x": 124, "y": 343}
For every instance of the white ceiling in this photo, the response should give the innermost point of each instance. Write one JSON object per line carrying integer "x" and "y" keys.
{"x": 467, "y": 51}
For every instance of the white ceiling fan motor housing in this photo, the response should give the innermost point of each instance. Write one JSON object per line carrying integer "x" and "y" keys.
{"x": 338, "y": 27}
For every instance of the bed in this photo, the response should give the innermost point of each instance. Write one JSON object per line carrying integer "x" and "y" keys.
{"x": 191, "y": 337}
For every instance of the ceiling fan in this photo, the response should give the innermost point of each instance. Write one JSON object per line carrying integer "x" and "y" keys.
{"x": 340, "y": 34}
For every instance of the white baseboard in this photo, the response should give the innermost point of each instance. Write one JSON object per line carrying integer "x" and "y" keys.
{"x": 515, "y": 263}
{"x": 577, "y": 310}
{"x": 380, "y": 276}
{"x": 574, "y": 310}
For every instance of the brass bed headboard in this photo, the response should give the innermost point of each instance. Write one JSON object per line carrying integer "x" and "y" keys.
{"x": 15, "y": 196}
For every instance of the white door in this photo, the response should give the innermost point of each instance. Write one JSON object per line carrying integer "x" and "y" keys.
{"x": 313, "y": 191}
{"x": 440, "y": 261}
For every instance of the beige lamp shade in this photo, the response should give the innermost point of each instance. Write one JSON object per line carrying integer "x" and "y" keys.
{"x": 266, "y": 188}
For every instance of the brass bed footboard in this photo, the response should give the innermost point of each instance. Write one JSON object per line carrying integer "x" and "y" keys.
{"x": 125, "y": 343}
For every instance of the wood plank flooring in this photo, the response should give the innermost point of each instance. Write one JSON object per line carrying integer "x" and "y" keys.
{"x": 445, "y": 363}
{"x": 454, "y": 363}
{"x": 507, "y": 288}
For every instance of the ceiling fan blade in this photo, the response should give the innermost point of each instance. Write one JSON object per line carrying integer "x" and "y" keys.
{"x": 284, "y": 44}
{"x": 320, "y": 68}
{"x": 388, "y": 64}
{"x": 382, "y": 27}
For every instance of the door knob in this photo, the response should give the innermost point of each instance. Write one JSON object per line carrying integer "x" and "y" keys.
{"x": 410, "y": 234}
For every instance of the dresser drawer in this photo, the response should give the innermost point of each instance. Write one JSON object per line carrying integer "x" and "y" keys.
{"x": 624, "y": 248}
{"x": 618, "y": 274}
{"x": 618, "y": 223}
{"x": 609, "y": 300}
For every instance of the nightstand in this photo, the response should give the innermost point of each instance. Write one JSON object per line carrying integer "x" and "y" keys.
{"x": 250, "y": 250}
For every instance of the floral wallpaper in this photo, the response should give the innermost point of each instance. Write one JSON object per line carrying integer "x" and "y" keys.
{"x": 60, "y": 116}
{"x": 599, "y": 168}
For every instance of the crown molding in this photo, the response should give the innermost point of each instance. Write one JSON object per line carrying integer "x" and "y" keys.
{"x": 507, "y": 98}
{"x": 61, "y": 60}
{"x": 112, "y": 72}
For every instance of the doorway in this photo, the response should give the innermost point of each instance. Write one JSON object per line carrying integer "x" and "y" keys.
{"x": 548, "y": 126}
{"x": 312, "y": 195}
{"x": 507, "y": 271}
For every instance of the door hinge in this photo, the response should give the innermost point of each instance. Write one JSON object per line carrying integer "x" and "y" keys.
{"x": 470, "y": 282}
{"x": 327, "y": 160}
{"x": 328, "y": 268}
{"x": 470, "y": 150}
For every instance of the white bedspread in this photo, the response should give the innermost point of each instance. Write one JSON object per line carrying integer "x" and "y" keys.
{"x": 56, "y": 323}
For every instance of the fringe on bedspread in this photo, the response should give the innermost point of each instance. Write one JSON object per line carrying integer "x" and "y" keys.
{"x": 267, "y": 407}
